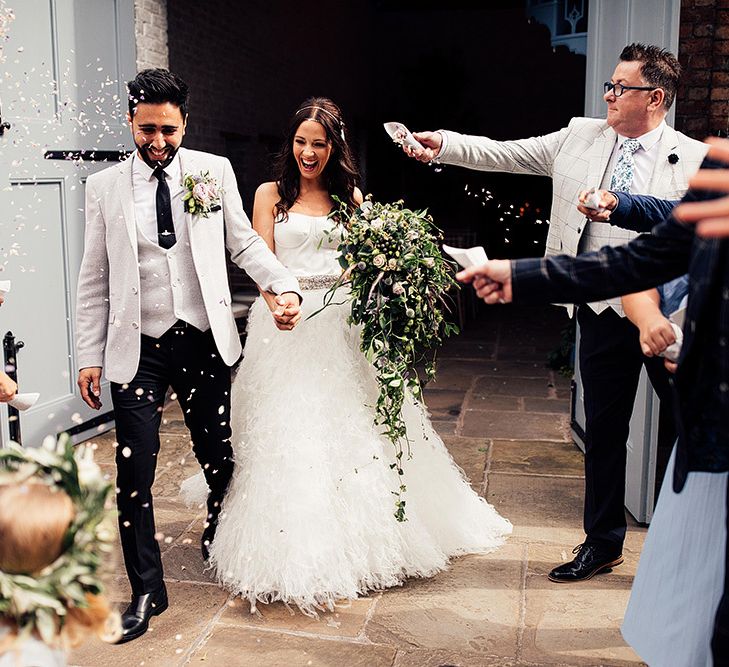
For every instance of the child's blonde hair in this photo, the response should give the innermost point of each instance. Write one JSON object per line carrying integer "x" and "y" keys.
{"x": 34, "y": 521}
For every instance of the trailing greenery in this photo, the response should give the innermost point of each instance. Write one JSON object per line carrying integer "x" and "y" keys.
{"x": 398, "y": 280}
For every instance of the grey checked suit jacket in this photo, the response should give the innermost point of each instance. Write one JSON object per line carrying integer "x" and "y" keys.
{"x": 108, "y": 301}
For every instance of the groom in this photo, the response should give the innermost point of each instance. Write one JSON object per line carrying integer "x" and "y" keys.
{"x": 154, "y": 309}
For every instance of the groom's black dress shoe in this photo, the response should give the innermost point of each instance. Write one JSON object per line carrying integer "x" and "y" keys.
{"x": 589, "y": 561}
{"x": 135, "y": 620}
{"x": 208, "y": 535}
{"x": 211, "y": 524}
{"x": 205, "y": 548}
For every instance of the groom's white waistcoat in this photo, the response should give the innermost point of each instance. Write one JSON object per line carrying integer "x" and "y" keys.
{"x": 108, "y": 311}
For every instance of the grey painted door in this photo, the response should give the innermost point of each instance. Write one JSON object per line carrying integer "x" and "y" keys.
{"x": 61, "y": 89}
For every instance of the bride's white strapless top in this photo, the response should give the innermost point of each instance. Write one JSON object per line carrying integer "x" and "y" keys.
{"x": 304, "y": 247}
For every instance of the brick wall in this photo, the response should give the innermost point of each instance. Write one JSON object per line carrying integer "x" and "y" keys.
{"x": 702, "y": 106}
{"x": 150, "y": 28}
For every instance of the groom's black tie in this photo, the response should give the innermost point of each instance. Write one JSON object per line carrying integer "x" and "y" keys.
{"x": 165, "y": 226}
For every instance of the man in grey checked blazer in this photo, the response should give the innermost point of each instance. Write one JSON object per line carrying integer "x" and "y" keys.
{"x": 634, "y": 150}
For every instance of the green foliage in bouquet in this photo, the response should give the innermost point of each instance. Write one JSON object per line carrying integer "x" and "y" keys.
{"x": 398, "y": 280}
{"x": 36, "y": 601}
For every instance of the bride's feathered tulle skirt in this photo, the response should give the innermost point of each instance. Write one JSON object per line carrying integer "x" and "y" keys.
{"x": 309, "y": 515}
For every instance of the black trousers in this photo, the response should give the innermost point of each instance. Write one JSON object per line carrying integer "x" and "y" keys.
{"x": 610, "y": 365}
{"x": 187, "y": 360}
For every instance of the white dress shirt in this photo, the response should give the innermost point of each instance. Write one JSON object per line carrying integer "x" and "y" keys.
{"x": 645, "y": 159}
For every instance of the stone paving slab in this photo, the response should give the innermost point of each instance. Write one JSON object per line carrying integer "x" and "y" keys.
{"x": 444, "y": 404}
{"x": 551, "y": 405}
{"x": 495, "y": 403}
{"x": 473, "y": 606}
{"x": 523, "y": 353}
{"x": 529, "y": 500}
{"x": 471, "y": 455}
{"x": 230, "y": 645}
{"x": 346, "y": 621}
{"x": 491, "y": 367}
{"x": 444, "y": 428}
{"x": 425, "y": 658}
{"x": 552, "y": 636}
{"x": 505, "y": 425}
{"x": 464, "y": 349}
{"x": 536, "y": 457}
{"x": 500, "y": 385}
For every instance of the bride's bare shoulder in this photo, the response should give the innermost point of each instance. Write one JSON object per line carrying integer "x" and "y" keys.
{"x": 268, "y": 191}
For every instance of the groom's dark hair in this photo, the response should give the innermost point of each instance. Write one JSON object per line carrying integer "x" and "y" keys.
{"x": 157, "y": 86}
{"x": 658, "y": 67}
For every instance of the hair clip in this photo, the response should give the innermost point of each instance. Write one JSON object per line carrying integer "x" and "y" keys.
{"x": 329, "y": 113}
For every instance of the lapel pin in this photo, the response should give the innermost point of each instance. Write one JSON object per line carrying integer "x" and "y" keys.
{"x": 673, "y": 158}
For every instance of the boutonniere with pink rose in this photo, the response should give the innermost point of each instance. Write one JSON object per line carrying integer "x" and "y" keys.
{"x": 203, "y": 194}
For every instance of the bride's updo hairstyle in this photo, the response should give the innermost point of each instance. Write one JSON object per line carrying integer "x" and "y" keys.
{"x": 340, "y": 173}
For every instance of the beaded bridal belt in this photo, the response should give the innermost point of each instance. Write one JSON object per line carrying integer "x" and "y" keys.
{"x": 316, "y": 282}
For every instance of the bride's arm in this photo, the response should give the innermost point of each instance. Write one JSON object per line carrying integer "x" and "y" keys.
{"x": 263, "y": 204}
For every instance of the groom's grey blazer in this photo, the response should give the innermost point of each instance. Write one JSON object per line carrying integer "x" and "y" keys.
{"x": 108, "y": 302}
{"x": 575, "y": 158}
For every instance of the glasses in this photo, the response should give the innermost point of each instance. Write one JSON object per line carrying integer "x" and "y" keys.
{"x": 618, "y": 89}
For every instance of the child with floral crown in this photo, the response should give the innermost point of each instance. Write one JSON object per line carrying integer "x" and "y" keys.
{"x": 54, "y": 532}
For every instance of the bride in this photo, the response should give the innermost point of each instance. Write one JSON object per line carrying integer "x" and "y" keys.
{"x": 308, "y": 518}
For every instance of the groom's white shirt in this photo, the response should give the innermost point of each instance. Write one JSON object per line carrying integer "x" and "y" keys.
{"x": 576, "y": 158}
{"x": 108, "y": 310}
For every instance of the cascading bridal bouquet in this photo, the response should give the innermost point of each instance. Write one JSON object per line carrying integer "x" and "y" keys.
{"x": 398, "y": 280}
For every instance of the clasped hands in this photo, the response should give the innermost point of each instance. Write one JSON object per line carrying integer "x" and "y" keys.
{"x": 287, "y": 311}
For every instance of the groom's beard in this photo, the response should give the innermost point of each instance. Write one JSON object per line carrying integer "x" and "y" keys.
{"x": 169, "y": 155}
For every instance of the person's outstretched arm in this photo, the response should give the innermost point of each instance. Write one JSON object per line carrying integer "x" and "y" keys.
{"x": 639, "y": 213}
{"x": 647, "y": 261}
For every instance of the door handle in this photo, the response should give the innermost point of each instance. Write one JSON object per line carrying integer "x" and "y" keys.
{"x": 4, "y": 125}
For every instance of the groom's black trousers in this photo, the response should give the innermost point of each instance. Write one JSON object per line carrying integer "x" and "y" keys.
{"x": 610, "y": 365}
{"x": 187, "y": 360}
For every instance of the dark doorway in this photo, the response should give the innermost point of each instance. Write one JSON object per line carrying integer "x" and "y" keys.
{"x": 475, "y": 67}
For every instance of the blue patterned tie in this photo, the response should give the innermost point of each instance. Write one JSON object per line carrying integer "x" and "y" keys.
{"x": 623, "y": 172}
